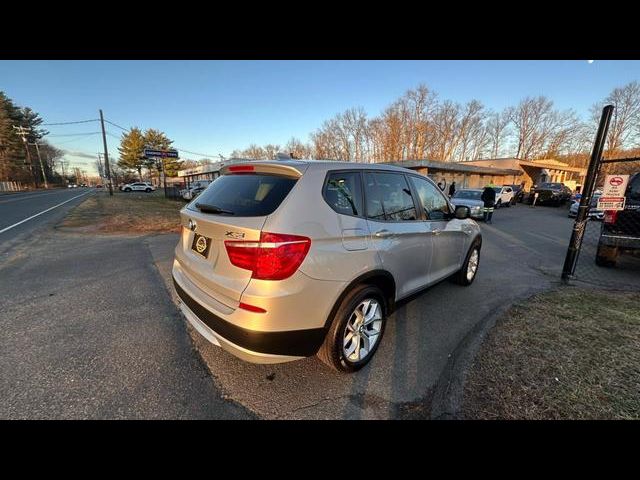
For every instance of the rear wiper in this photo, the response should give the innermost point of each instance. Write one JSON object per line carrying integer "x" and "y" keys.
{"x": 205, "y": 208}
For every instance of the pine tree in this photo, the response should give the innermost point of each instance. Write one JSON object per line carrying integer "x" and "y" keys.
{"x": 131, "y": 151}
{"x": 158, "y": 140}
{"x": 12, "y": 153}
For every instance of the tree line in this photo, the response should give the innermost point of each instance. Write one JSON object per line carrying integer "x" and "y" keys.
{"x": 419, "y": 125}
{"x": 14, "y": 161}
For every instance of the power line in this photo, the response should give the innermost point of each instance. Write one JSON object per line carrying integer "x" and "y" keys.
{"x": 116, "y": 125}
{"x": 73, "y": 134}
{"x": 71, "y": 123}
{"x": 196, "y": 153}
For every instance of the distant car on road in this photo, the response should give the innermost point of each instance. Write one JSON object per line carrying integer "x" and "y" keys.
{"x": 469, "y": 197}
{"x": 551, "y": 193}
{"x": 99, "y": 185}
{"x": 594, "y": 213}
{"x": 504, "y": 196}
{"x": 138, "y": 187}
{"x": 72, "y": 185}
{"x": 620, "y": 231}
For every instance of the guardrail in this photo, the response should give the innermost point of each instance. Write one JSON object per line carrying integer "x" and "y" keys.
{"x": 11, "y": 187}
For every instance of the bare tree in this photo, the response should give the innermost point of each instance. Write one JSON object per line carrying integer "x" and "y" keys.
{"x": 497, "y": 131}
{"x": 624, "y": 128}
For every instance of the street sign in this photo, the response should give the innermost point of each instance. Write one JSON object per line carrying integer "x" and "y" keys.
{"x": 615, "y": 185}
{"x": 152, "y": 152}
{"x": 611, "y": 203}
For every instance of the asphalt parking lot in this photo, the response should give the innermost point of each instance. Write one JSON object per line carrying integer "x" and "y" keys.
{"x": 522, "y": 253}
{"x": 90, "y": 331}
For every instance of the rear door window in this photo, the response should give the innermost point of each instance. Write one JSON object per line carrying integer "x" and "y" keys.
{"x": 246, "y": 195}
{"x": 343, "y": 193}
{"x": 389, "y": 197}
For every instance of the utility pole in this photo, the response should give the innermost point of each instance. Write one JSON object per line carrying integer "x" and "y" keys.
{"x": 44, "y": 177}
{"x": 106, "y": 155}
{"x": 23, "y": 132}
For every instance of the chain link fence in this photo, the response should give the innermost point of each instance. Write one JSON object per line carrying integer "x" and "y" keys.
{"x": 610, "y": 252}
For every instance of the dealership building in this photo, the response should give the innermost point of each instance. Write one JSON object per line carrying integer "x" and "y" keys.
{"x": 471, "y": 174}
{"x": 499, "y": 171}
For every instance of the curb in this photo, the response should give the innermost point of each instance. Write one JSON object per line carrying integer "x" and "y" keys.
{"x": 447, "y": 398}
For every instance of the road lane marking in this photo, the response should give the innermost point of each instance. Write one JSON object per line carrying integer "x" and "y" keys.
{"x": 17, "y": 198}
{"x": 40, "y": 213}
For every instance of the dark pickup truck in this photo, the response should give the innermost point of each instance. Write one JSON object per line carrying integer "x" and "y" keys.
{"x": 555, "y": 194}
{"x": 620, "y": 231}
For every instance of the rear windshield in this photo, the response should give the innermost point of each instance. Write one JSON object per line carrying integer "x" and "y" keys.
{"x": 470, "y": 194}
{"x": 246, "y": 195}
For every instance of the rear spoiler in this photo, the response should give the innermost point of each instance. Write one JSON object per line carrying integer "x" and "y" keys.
{"x": 265, "y": 167}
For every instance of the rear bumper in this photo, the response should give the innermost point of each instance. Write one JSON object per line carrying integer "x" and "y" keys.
{"x": 621, "y": 241}
{"x": 250, "y": 345}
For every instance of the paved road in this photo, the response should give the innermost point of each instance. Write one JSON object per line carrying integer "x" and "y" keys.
{"x": 25, "y": 214}
{"x": 88, "y": 330}
{"x": 522, "y": 253}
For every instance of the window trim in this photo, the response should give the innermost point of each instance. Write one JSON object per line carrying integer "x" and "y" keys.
{"x": 325, "y": 184}
{"x": 418, "y": 208}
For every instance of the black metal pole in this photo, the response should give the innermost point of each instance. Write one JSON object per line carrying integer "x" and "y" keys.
{"x": 580, "y": 224}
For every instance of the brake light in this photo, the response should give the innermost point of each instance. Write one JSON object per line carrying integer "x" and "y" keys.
{"x": 275, "y": 257}
{"x": 242, "y": 168}
{"x": 610, "y": 216}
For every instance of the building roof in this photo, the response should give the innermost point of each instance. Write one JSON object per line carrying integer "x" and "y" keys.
{"x": 456, "y": 167}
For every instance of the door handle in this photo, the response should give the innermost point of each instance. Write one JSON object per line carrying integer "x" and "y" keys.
{"x": 436, "y": 231}
{"x": 383, "y": 233}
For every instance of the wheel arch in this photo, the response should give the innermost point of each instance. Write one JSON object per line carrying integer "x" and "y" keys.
{"x": 378, "y": 278}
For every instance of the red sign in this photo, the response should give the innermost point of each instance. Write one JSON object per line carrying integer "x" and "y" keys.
{"x": 616, "y": 181}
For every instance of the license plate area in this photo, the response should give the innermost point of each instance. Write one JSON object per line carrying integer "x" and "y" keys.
{"x": 201, "y": 245}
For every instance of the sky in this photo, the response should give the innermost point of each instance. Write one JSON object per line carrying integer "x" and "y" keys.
{"x": 214, "y": 107}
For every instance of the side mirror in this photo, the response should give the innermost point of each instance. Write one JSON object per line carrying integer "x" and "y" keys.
{"x": 462, "y": 212}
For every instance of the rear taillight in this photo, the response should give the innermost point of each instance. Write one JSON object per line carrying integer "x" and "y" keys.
{"x": 275, "y": 257}
{"x": 610, "y": 216}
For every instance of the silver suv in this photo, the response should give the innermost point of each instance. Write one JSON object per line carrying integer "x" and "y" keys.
{"x": 281, "y": 260}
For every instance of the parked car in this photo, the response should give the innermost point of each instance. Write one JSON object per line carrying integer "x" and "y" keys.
{"x": 555, "y": 194}
{"x": 620, "y": 230}
{"x": 280, "y": 260}
{"x": 195, "y": 189}
{"x": 593, "y": 213}
{"x": 138, "y": 187}
{"x": 504, "y": 196}
{"x": 99, "y": 185}
{"x": 470, "y": 197}
{"x": 518, "y": 193}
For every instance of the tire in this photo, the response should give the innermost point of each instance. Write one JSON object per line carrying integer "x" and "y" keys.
{"x": 499, "y": 204}
{"x": 606, "y": 256}
{"x": 461, "y": 278}
{"x": 127, "y": 189}
{"x": 148, "y": 190}
{"x": 332, "y": 352}
{"x": 508, "y": 204}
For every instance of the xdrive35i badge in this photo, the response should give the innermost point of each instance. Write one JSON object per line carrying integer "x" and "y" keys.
{"x": 235, "y": 235}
